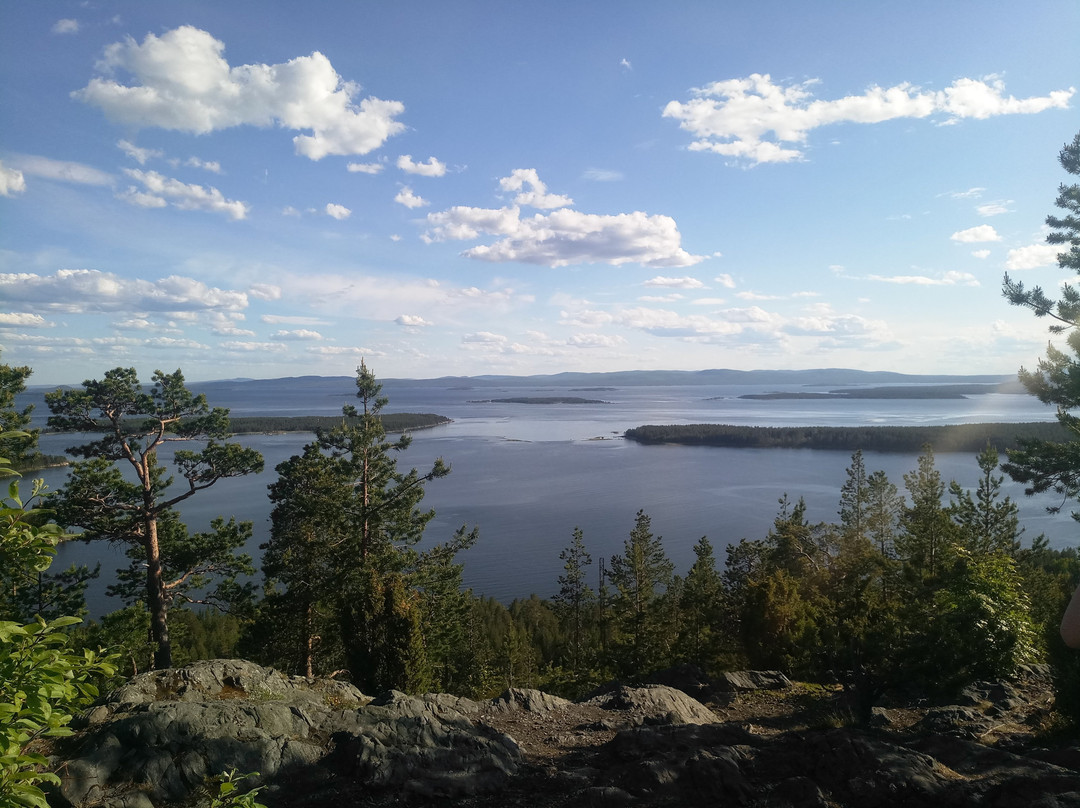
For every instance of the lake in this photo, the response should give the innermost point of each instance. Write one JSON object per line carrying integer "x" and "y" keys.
{"x": 527, "y": 475}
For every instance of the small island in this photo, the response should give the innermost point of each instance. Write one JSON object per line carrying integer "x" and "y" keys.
{"x": 929, "y": 391}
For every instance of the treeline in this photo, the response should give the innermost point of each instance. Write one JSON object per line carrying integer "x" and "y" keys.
{"x": 909, "y": 439}
{"x": 392, "y": 422}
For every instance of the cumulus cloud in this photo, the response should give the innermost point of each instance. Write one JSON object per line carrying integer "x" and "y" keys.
{"x": 725, "y": 280}
{"x": 343, "y": 350}
{"x": 757, "y": 120}
{"x": 984, "y": 232}
{"x": 181, "y": 81}
{"x": 675, "y": 283}
{"x": 532, "y": 192}
{"x": 563, "y": 236}
{"x": 431, "y": 168}
{"x": 89, "y": 290}
{"x": 484, "y": 338}
{"x": 1033, "y": 256}
{"x": 23, "y": 319}
{"x": 62, "y": 170}
{"x": 66, "y": 26}
{"x": 410, "y": 200}
{"x": 12, "y": 181}
{"x": 160, "y": 191}
{"x": 981, "y": 253}
{"x": 365, "y": 168}
{"x": 339, "y": 212}
{"x": 253, "y": 347}
{"x": 411, "y": 321}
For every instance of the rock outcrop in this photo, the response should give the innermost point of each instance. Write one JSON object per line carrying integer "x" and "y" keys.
{"x": 154, "y": 742}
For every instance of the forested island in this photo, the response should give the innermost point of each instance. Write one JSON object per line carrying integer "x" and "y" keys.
{"x": 952, "y": 438}
{"x": 392, "y": 422}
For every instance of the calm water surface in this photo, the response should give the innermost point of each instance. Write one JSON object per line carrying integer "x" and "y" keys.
{"x": 527, "y": 475}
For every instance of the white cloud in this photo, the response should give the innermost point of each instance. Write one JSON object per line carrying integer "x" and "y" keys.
{"x": 752, "y": 295}
{"x": 564, "y": 237}
{"x": 23, "y": 320}
{"x": 596, "y": 341}
{"x": 672, "y": 298}
{"x": 88, "y": 290}
{"x": 298, "y": 334}
{"x": 62, "y": 170}
{"x": 12, "y": 181}
{"x": 675, "y": 283}
{"x": 411, "y": 321}
{"x": 66, "y": 26}
{"x": 602, "y": 175}
{"x": 339, "y": 212}
{"x": 431, "y": 168}
{"x": 484, "y": 338}
{"x": 725, "y": 280}
{"x": 289, "y": 210}
{"x": 970, "y": 193}
{"x": 950, "y": 278}
{"x": 1033, "y": 256}
{"x": 212, "y": 166}
{"x": 824, "y": 322}
{"x": 342, "y": 350}
{"x": 983, "y": 232}
{"x": 708, "y": 301}
{"x": 410, "y": 200}
{"x": 161, "y": 190}
{"x": 265, "y": 291}
{"x": 140, "y": 156}
{"x": 365, "y": 168}
{"x": 993, "y": 208}
{"x": 625, "y": 63}
{"x": 533, "y": 192}
{"x": 666, "y": 323}
{"x": 253, "y": 347}
{"x": 756, "y": 120}
{"x": 981, "y": 253}
{"x": 285, "y": 319}
{"x": 181, "y": 81}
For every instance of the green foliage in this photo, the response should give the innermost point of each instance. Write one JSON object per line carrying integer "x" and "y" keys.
{"x": 642, "y": 614}
{"x": 575, "y": 603}
{"x": 133, "y": 423}
{"x": 42, "y": 682}
{"x": 228, "y": 793}
{"x": 346, "y": 586}
{"x": 392, "y": 422}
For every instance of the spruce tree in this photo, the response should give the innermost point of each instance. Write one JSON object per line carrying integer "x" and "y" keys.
{"x": 641, "y": 577}
{"x": 575, "y": 603}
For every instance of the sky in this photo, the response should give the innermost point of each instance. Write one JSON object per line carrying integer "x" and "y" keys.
{"x": 264, "y": 190}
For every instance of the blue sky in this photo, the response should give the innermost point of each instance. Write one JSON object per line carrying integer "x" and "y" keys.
{"x": 249, "y": 190}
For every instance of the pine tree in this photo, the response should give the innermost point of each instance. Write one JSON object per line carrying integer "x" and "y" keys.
{"x": 134, "y": 424}
{"x": 855, "y": 497}
{"x": 641, "y": 576}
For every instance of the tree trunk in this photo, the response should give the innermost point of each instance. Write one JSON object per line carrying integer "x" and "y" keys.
{"x": 155, "y": 599}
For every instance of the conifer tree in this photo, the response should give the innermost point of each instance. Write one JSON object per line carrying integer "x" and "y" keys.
{"x": 135, "y": 424}
{"x": 855, "y": 497}
{"x": 575, "y": 602}
{"x": 988, "y": 521}
{"x": 701, "y": 600}
{"x": 641, "y": 577}
{"x": 925, "y": 541}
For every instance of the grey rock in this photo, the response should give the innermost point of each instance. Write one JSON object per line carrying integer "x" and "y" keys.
{"x": 655, "y": 704}
{"x": 736, "y": 681}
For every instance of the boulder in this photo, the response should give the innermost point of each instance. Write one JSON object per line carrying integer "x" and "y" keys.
{"x": 655, "y": 704}
{"x": 304, "y": 741}
{"x": 736, "y": 681}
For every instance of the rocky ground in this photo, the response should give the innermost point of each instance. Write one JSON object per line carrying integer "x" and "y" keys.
{"x": 751, "y": 739}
